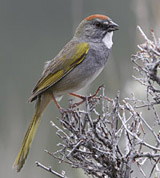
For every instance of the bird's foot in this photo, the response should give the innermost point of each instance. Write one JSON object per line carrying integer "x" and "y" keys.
{"x": 83, "y": 98}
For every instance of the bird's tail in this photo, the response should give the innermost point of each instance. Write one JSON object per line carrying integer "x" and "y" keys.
{"x": 41, "y": 104}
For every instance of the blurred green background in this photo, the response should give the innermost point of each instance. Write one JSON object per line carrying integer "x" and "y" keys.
{"x": 34, "y": 31}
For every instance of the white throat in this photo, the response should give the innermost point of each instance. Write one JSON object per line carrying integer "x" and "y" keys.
{"x": 107, "y": 40}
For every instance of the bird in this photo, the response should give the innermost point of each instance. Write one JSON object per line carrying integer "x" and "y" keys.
{"x": 76, "y": 66}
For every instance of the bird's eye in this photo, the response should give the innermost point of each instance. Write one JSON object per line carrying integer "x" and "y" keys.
{"x": 98, "y": 24}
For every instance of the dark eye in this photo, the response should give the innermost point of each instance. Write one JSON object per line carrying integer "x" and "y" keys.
{"x": 98, "y": 24}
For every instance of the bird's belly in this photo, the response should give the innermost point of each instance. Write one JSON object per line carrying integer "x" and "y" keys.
{"x": 71, "y": 84}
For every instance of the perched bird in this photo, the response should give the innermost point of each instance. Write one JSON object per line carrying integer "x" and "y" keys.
{"x": 76, "y": 66}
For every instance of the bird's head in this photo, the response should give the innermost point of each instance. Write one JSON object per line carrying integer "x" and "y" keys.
{"x": 95, "y": 28}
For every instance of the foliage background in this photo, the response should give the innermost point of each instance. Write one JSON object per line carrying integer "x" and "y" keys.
{"x": 32, "y": 32}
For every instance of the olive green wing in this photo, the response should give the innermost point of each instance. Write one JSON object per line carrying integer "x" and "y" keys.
{"x": 71, "y": 56}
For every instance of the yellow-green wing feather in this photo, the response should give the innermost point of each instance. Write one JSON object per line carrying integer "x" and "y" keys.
{"x": 72, "y": 55}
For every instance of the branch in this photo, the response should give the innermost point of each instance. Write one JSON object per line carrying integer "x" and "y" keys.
{"x": 49, "y": 169}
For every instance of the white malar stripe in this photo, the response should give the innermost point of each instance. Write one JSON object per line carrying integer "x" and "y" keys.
{"x": 107, "y": 40}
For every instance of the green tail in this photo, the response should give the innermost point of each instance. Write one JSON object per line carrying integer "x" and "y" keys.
{"x": 29, "y": 136}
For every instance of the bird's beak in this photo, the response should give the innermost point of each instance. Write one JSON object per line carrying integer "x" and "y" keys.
{"x": 112, "y": 26}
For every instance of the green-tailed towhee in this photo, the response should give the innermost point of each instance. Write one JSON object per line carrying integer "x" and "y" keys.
{"x": 76, "y": 66}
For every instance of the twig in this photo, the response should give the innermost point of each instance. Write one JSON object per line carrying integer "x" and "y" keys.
{"x": 49, "y": 169}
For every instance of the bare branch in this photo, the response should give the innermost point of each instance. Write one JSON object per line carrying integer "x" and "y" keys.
{"x": 49, "y": 169}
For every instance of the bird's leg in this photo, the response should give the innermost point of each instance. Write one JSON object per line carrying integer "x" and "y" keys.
{"x": 83, "y": 97}
{"x": 78, "y": 96}
{"x": 94, "y": 95}
{"x": 55, "y": 101}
